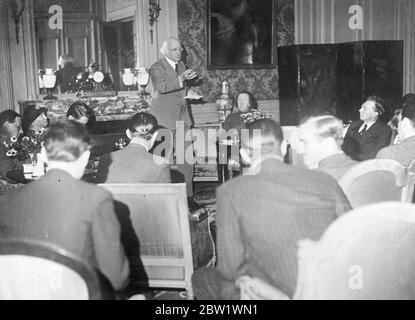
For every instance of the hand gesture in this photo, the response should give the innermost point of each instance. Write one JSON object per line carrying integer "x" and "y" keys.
{"x": 187, "y": 75}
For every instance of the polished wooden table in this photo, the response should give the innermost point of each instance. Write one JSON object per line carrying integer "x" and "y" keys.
{"x": 19, "y": 177}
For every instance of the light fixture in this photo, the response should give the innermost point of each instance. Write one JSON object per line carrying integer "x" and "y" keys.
{"x": 49, "y": 80}
{"x": 128, "y": 78}
{"x": 142, "y": 79}
{"x": 154, "y": 13}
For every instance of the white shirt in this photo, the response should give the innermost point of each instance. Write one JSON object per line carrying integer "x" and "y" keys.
{"x": 173, "y": 65}
{"x": 368, "y": 125}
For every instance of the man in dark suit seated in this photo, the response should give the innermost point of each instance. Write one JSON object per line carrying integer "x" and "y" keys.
{"x": 262, "y": 215}
{"x": 134, "y": 163}
{"x": 61, "y": 209}
{"x": 403, "y": 152}
{"x": 367, "y": 136}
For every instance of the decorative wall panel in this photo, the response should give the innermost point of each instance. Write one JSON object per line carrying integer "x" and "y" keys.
{"x": 263, "y": 83}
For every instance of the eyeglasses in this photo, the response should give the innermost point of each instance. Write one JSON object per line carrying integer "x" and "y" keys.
{"x": 179, "y": 50}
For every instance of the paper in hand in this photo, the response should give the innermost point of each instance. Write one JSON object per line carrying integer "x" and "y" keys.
{"x": 193, "y": 95}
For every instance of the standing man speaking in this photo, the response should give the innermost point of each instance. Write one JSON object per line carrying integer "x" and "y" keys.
{"x": 169, "y": 76}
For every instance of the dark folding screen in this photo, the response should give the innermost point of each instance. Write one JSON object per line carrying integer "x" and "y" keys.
{"x": 337, "y": 78}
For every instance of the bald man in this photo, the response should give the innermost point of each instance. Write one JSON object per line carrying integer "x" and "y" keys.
{"x": 169, "y": 77}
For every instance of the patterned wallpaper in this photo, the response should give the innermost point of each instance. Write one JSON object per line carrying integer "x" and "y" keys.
{"x": 263, "y": 83}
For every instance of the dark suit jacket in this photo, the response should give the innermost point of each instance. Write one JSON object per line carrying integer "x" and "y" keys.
{"x": 366, "y": 146}
{"x": 73, "y": 214}
{"x": 260, "y": 219}
{"x": 133, "y": 164}
{"x": 168, "y": 103}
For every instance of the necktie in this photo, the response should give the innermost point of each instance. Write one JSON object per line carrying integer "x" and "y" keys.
{"x": 364, "y": 129}
{"x": 177, "y": 68}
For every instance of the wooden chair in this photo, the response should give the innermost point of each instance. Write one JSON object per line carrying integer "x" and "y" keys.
{"x": 37, "y": 270}
{"x": 367, "y": 253}
{"x": 375, "y": 181}
{"x": 160, "y": 219}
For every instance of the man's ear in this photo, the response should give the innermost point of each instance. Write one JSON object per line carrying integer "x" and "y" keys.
{"x": 283, "y": 147}
{"x": 152, "y": 140}
{"x": 83, "y": 159}
{"x": 245, "y": 156}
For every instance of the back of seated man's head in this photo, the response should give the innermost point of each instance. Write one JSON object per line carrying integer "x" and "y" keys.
{"x": 143, "y": 127}
{"x": 261, "y": 138}
{"x": 67, "y": 144}
{"x": 408, "y": 98}
{"x": 320, "y": 137}
{"x": 406, "y": 125}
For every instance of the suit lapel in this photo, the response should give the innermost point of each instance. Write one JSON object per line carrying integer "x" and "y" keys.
{"x": 169, "y": 70}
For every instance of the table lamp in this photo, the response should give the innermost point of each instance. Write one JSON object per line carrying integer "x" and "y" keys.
{"x": 49, "y": 81}
{"x": 128, "y": 78}
{"x": 142, "y": 79}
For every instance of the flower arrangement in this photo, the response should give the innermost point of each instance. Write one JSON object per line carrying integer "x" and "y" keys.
{"x": 253, "y": 115}
{"x": 24, "y": 147}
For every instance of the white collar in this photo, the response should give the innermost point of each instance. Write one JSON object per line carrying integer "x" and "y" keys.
{"x": 368, "y": 125}
{"x": 172, "y": 63}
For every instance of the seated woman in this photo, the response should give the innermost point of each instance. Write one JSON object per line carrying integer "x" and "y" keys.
{"x": 10, "y": 128}
{"x": 34, "y": 120}
{"x": 80, "y": 112}
{"x": 245, "y": 103}
{"x": 134, "y": 163}
{"x": 66, "y": 75}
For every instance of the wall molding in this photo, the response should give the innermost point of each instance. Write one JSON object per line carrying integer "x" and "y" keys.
{"x": 6, "y": 82}
{"x": 121, "y": 13}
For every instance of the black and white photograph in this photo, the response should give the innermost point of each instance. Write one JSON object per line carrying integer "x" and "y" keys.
{"x": 190, "y": 154}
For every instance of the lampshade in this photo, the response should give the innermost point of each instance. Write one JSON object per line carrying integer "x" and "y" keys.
{"x": 142, "y": 76}
{"x": 128, "y": 77}
{"x": 49, "y": 78}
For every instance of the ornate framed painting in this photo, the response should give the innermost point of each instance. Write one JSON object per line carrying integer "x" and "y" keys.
{"x": 241, "y": 34}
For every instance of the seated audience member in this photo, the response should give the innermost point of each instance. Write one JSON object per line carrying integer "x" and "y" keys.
{"x": 134, "y": 164}
{"x": 408, "y": 98}
{"x": 262, "y": 215}
{"x": 80, "y": 112}
{"x": 34, "y": 119}
{"x": 10, "y": 126}
{"x": 367, "y": 136}
{"x": 245, "y": 103}
{"x": 393, "y": 124}
{"x": 320, "y": 145}
{"x": 66, "y": 75}
{"x": 403, "y": 152}
{"x": 61, "y": 209}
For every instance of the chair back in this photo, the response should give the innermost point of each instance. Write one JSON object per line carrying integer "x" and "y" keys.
{"x": 36, "y": 270}
{"x": 375, "y": 180}
{"x": 160, "y": 218}
{"x": 367, "y": 253}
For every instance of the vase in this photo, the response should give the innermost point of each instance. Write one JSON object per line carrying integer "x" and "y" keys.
{"x": 224, "y": 102}
{"x": 33, "y": 158}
